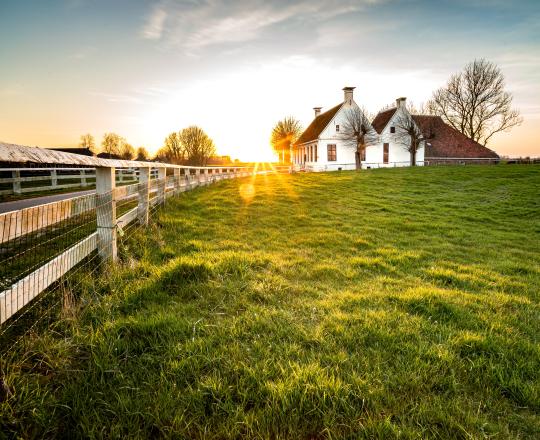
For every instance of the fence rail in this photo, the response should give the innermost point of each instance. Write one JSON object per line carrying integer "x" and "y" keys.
{"x": 23, "y": 180}
{"x": 428, "y": 161}
{"x": 40, "y": 245}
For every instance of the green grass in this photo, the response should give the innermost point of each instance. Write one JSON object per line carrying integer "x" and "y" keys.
{"x": 397, "y": 303}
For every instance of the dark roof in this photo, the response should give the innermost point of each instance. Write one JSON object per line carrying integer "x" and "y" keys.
{"x": 382, "y": 119}
{"x": 318, "y": 125}
{"x": 83, "y": 151}
{"x": 108, "y": 156}
{"x": 449, "y": 142}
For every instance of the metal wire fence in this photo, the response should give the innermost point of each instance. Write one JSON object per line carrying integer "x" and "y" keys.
{"x": 49, "y": 252}
{"x": 34, "y": 259}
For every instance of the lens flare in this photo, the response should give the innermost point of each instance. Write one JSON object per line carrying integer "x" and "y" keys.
{"x": 247, "y": 192}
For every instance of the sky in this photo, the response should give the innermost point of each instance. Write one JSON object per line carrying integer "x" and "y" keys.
{"x": 144, "y": 69}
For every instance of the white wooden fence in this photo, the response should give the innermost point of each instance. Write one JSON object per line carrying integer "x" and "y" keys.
{"x": 154, "y": 179}
{"x": 27, "y": 180}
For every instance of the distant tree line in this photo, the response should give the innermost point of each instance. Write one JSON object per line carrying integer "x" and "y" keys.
{"x": 190, "y": 146}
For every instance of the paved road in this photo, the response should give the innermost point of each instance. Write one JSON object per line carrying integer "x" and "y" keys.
{"x": 27, "y": 203}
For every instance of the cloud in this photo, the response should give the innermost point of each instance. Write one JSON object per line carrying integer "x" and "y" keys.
{"x": 194, "y": 26}
{"x": 153, "y": 29}
{"x": 117, "y": 97}
{"x": 12, "y": 90}
{"x": 83, "y": 53}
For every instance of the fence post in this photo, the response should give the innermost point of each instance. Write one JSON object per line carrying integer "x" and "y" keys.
{"x": 106, "y": 213}
{"x": 162, "y": 182}
{"x": 144, "y": 195}
{"x": 176, "y": 180}
{"x": 16, "y": 181}
{"x": 54, "y": 179}
{"x": 83, "y": 177}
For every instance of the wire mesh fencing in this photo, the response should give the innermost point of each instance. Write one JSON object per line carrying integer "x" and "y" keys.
{"x": 48, "y": 252}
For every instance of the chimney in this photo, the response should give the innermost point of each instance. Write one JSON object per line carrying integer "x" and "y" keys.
{"x": 317, "y": 111}
{"x": 400, "y": 102}
{"x": 348, "y": 94}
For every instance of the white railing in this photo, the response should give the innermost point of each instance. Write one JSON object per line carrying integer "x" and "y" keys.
{"x": 428, "y": 161}
{"x": 407, "y": 163}
{"x": 23, "y": 180}
{"x": 156, "y": 182}
{"x": 461, "y": 160}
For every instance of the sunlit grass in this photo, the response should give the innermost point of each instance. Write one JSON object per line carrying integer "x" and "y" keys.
{"x": 381, "y": 304}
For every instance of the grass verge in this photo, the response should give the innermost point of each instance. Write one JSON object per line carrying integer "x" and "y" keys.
{"x": 381, "y": 304}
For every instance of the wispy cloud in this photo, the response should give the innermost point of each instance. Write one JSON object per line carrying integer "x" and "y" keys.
{"x": 12, "y": 90}
{"x": 83, "y": 53}
{"x": 153, "y": 29}
{"x": 133, "y": 96}
{"x": 215, "y": 22}
{"x": 117, "y": 97}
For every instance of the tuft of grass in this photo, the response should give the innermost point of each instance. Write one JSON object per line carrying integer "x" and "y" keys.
{"x": 399, "y": 303}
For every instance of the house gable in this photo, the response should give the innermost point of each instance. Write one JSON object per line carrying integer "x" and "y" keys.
{"x": 382, "y": 119}
{"x": 318, "y": 125}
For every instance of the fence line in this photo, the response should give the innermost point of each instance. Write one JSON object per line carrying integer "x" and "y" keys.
{"x": 42, "y": 244}
{"x": 80, "y": 178}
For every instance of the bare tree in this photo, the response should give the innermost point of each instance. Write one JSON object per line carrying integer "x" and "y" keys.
{"x": 357, "y": 132}
{"x": 111, "y": 144}
{"x": 424, "y": 108}
{"x": 197, "y": 145}
{"x": 127, "y": 152}
{"x": 142, "y": 154}
{"x": 163, "y": 155}
{"x": 475, "y": 103}
{"x": 284, "y": 134}
{"x": 87, "y": 141}
{"x": 410, "y": 136}
{"x": 173, "y": 150}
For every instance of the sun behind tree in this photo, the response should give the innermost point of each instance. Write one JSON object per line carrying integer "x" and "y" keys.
{"x": 284, "y": 135}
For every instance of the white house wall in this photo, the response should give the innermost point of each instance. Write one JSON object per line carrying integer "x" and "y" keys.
{"x": 398, "y": 156}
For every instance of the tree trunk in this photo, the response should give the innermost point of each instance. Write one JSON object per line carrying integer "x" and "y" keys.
{"x": 358, "y": 164}
{"x": 413, "y": 158}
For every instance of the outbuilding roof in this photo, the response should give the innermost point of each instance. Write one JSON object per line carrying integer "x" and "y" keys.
{"x": 446, "y": 141}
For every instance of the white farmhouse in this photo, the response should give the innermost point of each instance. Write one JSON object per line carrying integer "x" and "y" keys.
{"x": 321, "y": 147}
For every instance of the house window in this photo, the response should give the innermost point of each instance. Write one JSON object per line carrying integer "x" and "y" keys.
{"x": 315, "y": 154}
{"x": 392, "y": 129}
{"x": 337, "y": 128}
{"x": 331, "y": 153}
{"x": 386, "y": 148}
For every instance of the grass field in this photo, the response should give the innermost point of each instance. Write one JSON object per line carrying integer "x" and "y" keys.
{"x": 400, "y": 303}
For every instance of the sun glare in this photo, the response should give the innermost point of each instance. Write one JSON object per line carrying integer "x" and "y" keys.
{"x": 247, "y": 192}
